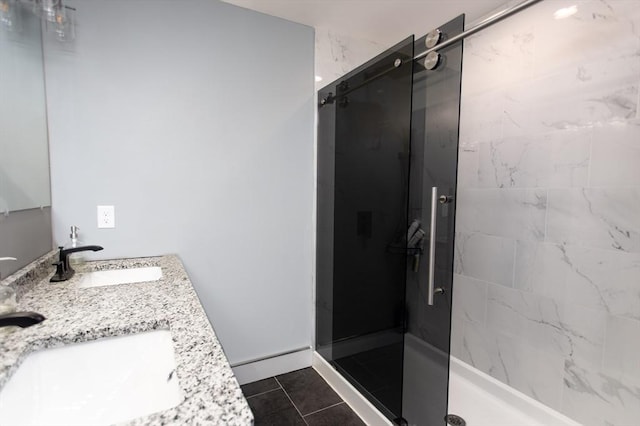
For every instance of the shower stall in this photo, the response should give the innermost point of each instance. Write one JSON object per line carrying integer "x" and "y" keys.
{"x": 488, "y": 219}
{"x": 387, "y": 156}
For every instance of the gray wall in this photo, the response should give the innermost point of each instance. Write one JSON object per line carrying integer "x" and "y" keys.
{"x": 25, "y": 235}
{"x": 195, "y": 119}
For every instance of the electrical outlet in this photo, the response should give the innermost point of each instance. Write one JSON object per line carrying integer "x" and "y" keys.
{"x": 106, "y": 217}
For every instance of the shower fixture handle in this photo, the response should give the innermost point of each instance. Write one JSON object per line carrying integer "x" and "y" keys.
{"x": 415, "y": 265}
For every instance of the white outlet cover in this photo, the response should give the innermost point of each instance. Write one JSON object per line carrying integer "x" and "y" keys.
{"x": 106, "y": 217}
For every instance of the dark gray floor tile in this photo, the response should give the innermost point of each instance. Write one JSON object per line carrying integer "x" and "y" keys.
{"x": 273, "y": 408}
{"x": 308, "y": 391}
{"x": 269, "y": 402}
{"x": 289, "y": 417}
{"x": 260, "y": 386}
{"x": 361, "y": 373}
{"x": 337, "y": 415}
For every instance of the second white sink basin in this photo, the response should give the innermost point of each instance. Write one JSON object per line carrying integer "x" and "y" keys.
{"x": 102, "y": 382}
{"x": 120, "y": 276}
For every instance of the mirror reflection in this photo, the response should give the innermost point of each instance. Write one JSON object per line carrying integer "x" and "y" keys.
{"x": 24, "y": 154}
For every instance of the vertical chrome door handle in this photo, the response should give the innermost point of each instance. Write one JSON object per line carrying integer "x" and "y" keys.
{"x": 432, "y": 244}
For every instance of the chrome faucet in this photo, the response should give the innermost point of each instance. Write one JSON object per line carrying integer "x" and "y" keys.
{"x": 64, "y": 271}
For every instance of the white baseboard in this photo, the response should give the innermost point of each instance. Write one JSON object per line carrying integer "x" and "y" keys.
{"x": 262, "y": 369}
{"x": 358, "y": 403}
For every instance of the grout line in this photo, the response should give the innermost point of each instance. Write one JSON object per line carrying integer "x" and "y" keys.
{"x": 290, "y": 400}
{"x": 325, "y": 408}
{"x": 590, "y": 165}
{"x": 515, "y": 260}
{"x": 262, "y": 393}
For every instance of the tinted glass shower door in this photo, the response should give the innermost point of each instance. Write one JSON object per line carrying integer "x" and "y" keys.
{"x": 387, "y": 163}
{"x": 434, "y": 161}
{"x": 363, "y": 178}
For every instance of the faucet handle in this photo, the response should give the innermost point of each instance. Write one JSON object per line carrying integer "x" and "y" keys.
{"x": 60, "y": 272}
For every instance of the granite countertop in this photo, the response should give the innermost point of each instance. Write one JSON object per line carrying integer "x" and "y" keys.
{"x": 211, "y": 392}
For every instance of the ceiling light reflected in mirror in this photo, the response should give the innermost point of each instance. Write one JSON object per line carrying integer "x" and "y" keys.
{"x": 58, "y": 18}
{"x": 565, "y": 12}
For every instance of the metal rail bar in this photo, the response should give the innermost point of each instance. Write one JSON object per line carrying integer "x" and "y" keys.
{"x": 493, "y": 19}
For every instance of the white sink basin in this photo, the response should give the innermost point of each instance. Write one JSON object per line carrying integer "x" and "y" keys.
{"x": 102, "y": 382}
{"x": 120, "y": 276}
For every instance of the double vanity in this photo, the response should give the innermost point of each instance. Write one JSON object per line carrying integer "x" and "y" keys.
{"x": 124, "y": 341}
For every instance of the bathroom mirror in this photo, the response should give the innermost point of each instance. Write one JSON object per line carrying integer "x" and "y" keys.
{"x": 24, "y": 153}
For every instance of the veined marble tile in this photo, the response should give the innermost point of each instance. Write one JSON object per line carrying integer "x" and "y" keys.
{"x": 528, "y": 369}
{"x": 505, "y": 52}
{"x": 519, "y": 101}
{"x": 480, "y": 115}
{"x": 534, "y": 109}
{"x": 476, "y": 343}
{"x": 556, "y": 159}
{"x": 509, "y": 213}
{"x": 596, "y": 399}
{"x": 513, "y": 162}
{"x": 469, "y": 298}
{"x": 581, "y": 96}
{"x": 584, "y": 330}
{"x": 457, "y": 327}
{"x": 572, "y": 123}
{"x": 587, "y": 67}
{"x": 514, "y": 361}
{"x": 603, "y": 280}
{"x": 485, "y": 258}
{"x": 541, "y": 268}
{"x": 615, "y": 158}
{"x": 608, "y": 106}
{"x": 569, "y": 158}
{"x": 337, "y": 54}
{"x": 582, "y": 79}
{"x": 567, "y": 331}
{"x": 612, "y": 68}
{"x": 598, "y": 217}
{"x": 622, "y": 350}
{"x": 599, "y": 27}
{"x": 534, "y": 318}
{"x": 606, "y": 280}
{"x": 468, "y": 157}
{"x": 550, "y": 270}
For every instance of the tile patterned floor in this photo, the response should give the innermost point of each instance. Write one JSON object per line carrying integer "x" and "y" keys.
{"x": 298, "y": 398}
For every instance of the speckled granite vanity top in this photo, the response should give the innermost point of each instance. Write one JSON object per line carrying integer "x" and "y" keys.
{"x": 211, "y": 393}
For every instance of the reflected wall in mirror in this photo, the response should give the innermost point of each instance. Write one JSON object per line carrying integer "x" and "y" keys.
{"x": 25, "y": 215}
{"x": 24, "y": 154}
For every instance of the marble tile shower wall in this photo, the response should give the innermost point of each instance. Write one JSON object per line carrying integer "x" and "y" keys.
{"x": 547, "y": 284}
{"x": 337, "y": 54}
